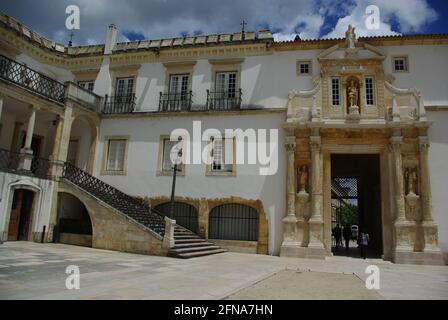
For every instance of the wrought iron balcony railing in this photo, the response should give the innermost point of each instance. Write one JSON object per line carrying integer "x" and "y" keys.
{"x": 225, "y": 100}
{"x": 30, "y": 79}
{"x": 10, "y": 162}
{"x": 119, "y": 104}
{"x": 172, "y": 102}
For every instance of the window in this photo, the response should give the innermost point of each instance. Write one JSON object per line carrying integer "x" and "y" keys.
{"x": 88, "y": 85}
{"x": 169, "y": 149}
{"x": 179, "y": 85}
{"x": 225, "y": 84}
{"x": 400, "y": 64}
{"x": 370, "y": 91}
{"x": 303, "y": 68}
{"x": 222, "y": 156}
{"x": 335, "y": 92}
{"x": 125, "y": 87}
{"x": 115, "y": 162}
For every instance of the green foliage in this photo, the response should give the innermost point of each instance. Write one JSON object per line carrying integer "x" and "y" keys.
{"x": 347, "y": 214}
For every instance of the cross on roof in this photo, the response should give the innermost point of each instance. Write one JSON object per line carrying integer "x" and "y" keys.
{"x": 70, "y": 43}
{"x": 243, "y": 24}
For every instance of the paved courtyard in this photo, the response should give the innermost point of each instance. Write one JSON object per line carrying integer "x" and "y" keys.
{"x": 37, "y": 271}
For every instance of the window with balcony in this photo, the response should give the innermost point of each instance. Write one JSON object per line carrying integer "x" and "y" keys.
{"x": 178, "y": 97}
{"x": 226, "y": 94}
{"x": 123, "y": 100}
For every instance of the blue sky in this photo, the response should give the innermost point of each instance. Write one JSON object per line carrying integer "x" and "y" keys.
{"x": 155, "y": 19}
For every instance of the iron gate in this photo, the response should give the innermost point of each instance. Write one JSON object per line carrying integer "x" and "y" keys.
{"x": 233, "y": 222}
{"x": 344, "y": 201}
{"x": 185, "y": 215}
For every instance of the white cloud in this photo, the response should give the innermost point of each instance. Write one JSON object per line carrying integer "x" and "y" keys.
{"x": 410, "y": 15}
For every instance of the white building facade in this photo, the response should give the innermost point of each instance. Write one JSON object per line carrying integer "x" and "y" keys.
{"x": 315, "y": 113}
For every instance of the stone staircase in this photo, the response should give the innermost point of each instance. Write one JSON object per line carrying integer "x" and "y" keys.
{"x": 189, "y": 245}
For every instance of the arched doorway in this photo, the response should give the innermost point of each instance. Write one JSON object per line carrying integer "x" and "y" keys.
{"x": 185, "y": 214}
{"x": 73, "y": 224}
{"x": 233, "y": 222}
{"x": 21, "y": 217}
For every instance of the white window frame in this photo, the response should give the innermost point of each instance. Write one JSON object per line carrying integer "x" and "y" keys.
{"x": 332, "y": 92}
{"x": 161, "y": 171}
{"x": 301, "y": 63}
{"x": 126, "y": 87}
{"x": 366, "y": 93}
{"x": 405, "y": 60}
{"x": 181, "y": 87}
{"x": 87, "y": 84}
{"x": 211, "y": 170}
{"x": 106, "y": 170}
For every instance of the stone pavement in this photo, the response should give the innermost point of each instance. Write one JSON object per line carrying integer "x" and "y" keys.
{"x": 37, "y": 271}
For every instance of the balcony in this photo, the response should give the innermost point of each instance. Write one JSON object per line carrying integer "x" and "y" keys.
{"x": 225, "y": 100}
{"x": 19, "y": 74}
{"x": 119, "y": 104}
{"x": 84, "y": 97}
{"x": 12, "y": 162}
{"x": 174, "y": 102}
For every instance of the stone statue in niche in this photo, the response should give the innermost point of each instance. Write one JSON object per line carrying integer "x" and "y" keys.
{"x": 411, "y": 180}
{"x": 353, "y": 93}
{"x": 303, "y": 178}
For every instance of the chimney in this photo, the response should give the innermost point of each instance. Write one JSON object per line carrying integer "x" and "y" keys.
{"x": 111, "y": 39}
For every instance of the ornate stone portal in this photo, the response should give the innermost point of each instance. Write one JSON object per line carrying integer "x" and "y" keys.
{"x": 393, "y": 124}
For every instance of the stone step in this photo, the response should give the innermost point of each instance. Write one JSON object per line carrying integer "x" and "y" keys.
{"x": 199, "y": 253}
{"x": 189, "y": 236}
{"x": 192, "y": 244}
{"x": 194, "y": 249}
{"x": 179, "y": 241}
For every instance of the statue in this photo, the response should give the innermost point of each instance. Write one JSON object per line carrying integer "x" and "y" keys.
{"x": 350, "y": 37}
{"x": 353, "y": 94}
{"x": 411, "y": 179}
{"x": 303, "y": 178}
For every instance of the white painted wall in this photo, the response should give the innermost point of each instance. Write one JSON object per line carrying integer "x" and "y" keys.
{"x": 438, "y": 156}
{"x": 42, "y": 200}
{"x": 141, "y": 179}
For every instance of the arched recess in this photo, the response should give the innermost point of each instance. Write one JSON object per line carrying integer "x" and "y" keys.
{"x": 185, "y": 214}
{"x": 74, "y": 225}
{"x": 23, "y": 205}
{"x": 233, "y": 221}
{"x": 83, "y": 141}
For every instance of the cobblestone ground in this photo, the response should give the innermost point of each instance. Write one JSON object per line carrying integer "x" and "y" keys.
{"x": 37, "y": 271}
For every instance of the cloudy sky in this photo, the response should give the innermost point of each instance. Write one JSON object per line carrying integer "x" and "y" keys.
{"x": 154, "y": 19}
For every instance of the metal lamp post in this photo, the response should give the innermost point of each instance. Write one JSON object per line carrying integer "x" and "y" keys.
{"x": 173, "y": 188}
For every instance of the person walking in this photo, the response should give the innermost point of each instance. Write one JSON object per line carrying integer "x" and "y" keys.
{"x": 363, "y": 243}
{"x": 347, "y": 234}
{"x": 337, "y": 232}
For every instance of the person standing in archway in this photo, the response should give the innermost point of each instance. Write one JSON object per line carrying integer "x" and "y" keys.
{"x": 363, "y": 243}
{"x": 337, "y": 232}
{"x": 347, "y": 234}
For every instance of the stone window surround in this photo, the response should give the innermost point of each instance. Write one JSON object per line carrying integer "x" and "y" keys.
{"x": 104, "y": 170}
{"x": 225, "y": 65}
{"x": 310, "y": 68}
{"x": 178, "y": 68}
{"x": 400, "y": 56}
{"x": 126, "y": 71}
{"x": 160, "y": 171}
{"x": 209, "y": 172}
{"x": 330, "y": 91}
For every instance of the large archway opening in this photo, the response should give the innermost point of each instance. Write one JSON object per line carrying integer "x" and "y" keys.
{"x": 185, "y": 214}
{"x": 356, "y": 204}
{"x": 21, "y": 217}
{"x": 73, "y": 224}
{"x": 233, "y": 222}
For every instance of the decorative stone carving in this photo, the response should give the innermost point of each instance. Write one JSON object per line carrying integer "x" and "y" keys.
{"x": 303, "y": 178}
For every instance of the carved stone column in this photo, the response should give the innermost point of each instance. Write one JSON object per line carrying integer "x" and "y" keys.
{"x": 404, "y": 229}
{"x": 430, "y": 228}
{"x": 316, "y": 219}
{"x": 290, "y": 221}
{"x": 26, "y": 151}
